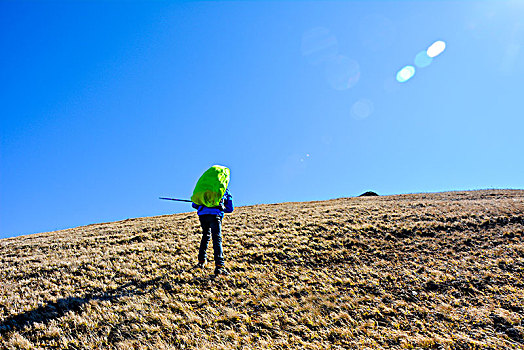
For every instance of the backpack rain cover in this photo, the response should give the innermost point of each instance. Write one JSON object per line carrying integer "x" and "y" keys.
{"x": 211, "y": 186}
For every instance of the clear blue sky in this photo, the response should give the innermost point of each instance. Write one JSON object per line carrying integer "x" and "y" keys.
{"x": 105, "y": 106}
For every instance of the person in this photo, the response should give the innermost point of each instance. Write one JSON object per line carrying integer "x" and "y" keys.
{"x": 211, "y": 222}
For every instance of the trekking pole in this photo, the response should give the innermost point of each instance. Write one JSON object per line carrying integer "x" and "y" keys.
{"x": 176, "y": 200}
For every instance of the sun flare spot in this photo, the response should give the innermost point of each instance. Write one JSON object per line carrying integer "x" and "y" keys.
{"x": 422, "y": 59}
{"x": 405, "y": 74}
{"x": 436, "y": 48}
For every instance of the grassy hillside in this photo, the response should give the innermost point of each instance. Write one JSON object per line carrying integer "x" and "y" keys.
{"x": 436, "y": 271}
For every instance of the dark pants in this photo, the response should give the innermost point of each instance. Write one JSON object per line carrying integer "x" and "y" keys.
{"x": 211, "y": 227}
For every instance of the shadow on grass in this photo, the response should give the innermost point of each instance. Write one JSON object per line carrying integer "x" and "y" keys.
{"x": 57, "y": 309}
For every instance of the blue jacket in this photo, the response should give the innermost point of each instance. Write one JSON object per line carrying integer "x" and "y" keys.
{"x": 228, "y": 204}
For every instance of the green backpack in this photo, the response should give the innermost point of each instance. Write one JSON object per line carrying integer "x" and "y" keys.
{"x": 211, "y": 186}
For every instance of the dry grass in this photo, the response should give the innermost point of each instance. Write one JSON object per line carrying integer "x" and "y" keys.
{"x": 431, "y": 271}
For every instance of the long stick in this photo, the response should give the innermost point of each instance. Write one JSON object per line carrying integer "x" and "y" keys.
{"x": 175, "y": 199}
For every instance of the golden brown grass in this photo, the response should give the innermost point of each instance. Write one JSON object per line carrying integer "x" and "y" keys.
{"x": 438, "y": 271}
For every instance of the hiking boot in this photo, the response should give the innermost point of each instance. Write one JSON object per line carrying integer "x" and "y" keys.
{"x": 200, "y": 265}
{"x": 221, "y": 270}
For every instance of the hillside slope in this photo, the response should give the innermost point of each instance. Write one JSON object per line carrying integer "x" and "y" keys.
{"x": 442, "y": 270}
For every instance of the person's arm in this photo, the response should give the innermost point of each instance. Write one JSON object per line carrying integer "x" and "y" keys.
{"x": 195, "y": 206}
{"x": 228, "y": 202}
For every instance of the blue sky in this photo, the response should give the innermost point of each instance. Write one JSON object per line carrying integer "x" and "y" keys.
{"x": 108, "y": 105}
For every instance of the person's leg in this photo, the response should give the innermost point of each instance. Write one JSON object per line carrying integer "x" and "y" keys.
{"x": 216, "y": 231}
{"x": 206, "y": 236}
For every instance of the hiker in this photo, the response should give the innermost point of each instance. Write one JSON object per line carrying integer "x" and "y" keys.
{"x": 211, "y": 222}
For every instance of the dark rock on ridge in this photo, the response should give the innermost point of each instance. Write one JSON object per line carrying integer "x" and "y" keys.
{"x": 368, "y": 194}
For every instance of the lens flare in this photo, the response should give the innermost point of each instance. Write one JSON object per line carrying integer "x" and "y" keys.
{"x": 405, "y": 74}
{"x": 342, "y": 73}
{"x": 436, "y": 48}
{"x": 422, "y": 59}
{"x": 319, "y": 45}
{"x": 362, "y": 109}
